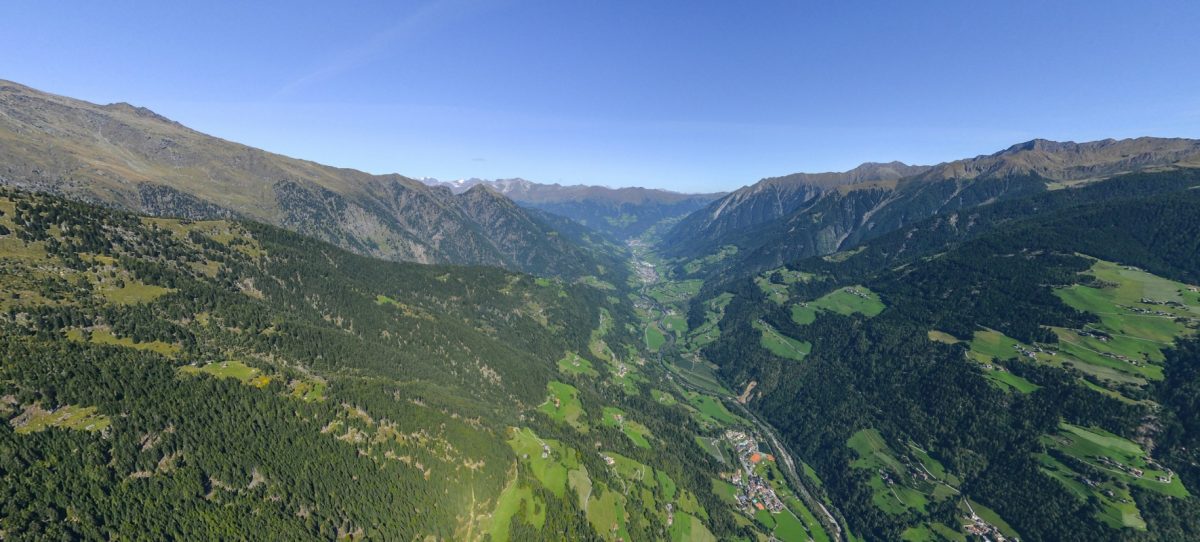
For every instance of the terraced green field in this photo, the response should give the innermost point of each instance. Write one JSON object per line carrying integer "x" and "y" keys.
{"x": 845, "y": 301}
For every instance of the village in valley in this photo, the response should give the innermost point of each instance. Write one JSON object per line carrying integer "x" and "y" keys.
{"x": 754, "y": 493}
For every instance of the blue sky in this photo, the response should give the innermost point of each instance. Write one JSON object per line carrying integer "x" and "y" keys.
{"x": 691, "y": 95}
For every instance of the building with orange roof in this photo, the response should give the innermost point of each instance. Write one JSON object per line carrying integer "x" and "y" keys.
{"x": 755, "y": 457}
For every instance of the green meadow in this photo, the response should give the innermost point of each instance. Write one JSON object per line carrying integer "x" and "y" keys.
{"x": 637, "y": 433}
{"x": 563, "y": 405}
{"x": 844, "y": 301}
{"x": 780, "y": 344}
{"x": 576, "y": 365}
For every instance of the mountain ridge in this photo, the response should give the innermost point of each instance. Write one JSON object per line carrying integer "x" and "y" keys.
{"x": 787, "y": 218}
{"x": 618, "y": 213}
{"x": 133, "y": 158}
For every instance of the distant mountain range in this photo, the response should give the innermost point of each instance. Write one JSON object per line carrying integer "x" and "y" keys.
{"x": 133, "y": 158}
{"x": 619, "y": 213}
{"x": 783, "y": 219}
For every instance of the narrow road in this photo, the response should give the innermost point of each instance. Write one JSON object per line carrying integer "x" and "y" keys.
{"x": 831, "y": 523}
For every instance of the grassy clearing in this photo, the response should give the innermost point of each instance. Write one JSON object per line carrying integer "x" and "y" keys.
{"x": 133, "y": 292}
{"x": 637, "y": 433}
{"x": 308, "y": 390}
{"x": 774, "y": 284}
{"x": 993, "y": 518}
{"x": 511, "y": 501}
{"x": 606, "y": 513}
{"x": 942, "y": 337}
{"x": 815, "y": 529}
{"x": 711, "y": 446}
{"x": 712, "y": 408}
{"x": 987, "y": 347}
{"x": 1117, "y": 508}
{"x": 1140, "y": 315}
{"x": 697, "y": 264}
{"x": 780, "y": 344}
{"x": 842, "y": 256}
{"x": 550, "y": 461}
{"x": 103, "y": 336}
{"x": 899, "y": 482}
{"x": 594, "y": 282}
{"x": 710, "y": 330}
{"x": 230, "y": 369}
{"x": 1118, "y": 457}
{"x": 406, "y": 310}
{"x": 563, "y": 405}
{"x": 654, "y": 338}
{"x": 662, "y": 397}
{"x": 675, "y": 292}
{"x": 846, "y": 301}
{"x": 579, "y": 481}
{"x": 576, "y": 365}
{"x": 676, "y": 324}
{"x": 74, "y": 417}
{"x": 689, "y": 528}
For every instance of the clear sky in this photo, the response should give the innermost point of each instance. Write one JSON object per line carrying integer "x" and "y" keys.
{"x": 691, "y": 95}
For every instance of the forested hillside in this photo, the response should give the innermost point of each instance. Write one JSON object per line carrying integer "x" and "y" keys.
{"x": 164, "y": 378}
{"x": 1023, "y": 367}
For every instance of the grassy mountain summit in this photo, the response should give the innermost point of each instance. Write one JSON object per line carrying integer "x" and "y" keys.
{"x": 130, "y": 157}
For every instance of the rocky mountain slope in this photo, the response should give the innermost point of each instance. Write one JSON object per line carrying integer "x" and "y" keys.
{"x": 768, "y": 200}
{"x": 780, "y": 220}
{"x": 132, "y": 158}
{"x": 618, "y": 213}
